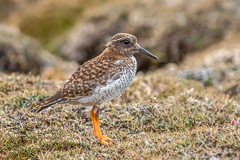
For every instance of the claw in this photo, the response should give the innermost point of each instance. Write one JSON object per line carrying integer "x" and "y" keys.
{"x": 103, "y": 140}
{"x": 107, "y": 138}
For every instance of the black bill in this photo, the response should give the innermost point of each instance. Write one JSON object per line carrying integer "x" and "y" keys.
{"x": 144, "y": 51}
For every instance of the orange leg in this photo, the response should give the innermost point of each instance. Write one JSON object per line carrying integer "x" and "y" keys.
{"x": 96, "y": 128}
{"x": 93, "y": 121}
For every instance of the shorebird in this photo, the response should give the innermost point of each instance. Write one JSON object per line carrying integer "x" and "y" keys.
{"x": 100, "y": 79}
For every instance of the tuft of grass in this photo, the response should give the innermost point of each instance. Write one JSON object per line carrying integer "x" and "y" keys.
{"x": 158, "y": 117}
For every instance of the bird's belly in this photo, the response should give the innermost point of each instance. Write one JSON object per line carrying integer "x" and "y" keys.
{"x": 113, "y": 89}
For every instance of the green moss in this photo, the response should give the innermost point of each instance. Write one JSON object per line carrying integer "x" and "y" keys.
{"x": 50, "y": 23}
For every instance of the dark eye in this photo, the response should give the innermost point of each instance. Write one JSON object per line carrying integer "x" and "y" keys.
{"x": 126, "y": 42}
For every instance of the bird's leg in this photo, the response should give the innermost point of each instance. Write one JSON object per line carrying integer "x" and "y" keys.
{"x": 101, "y": 138}
{"x": 93, "y": 121}
{"x": 96, "y": 128}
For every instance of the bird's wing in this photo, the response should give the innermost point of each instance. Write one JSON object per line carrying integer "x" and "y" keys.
{"x": 86, "y": 78}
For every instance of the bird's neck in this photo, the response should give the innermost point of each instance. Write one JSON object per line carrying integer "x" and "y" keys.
{"x": 108, "y": 51}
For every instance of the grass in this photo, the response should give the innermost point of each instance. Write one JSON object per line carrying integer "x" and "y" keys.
{"x": 158, "y": 117}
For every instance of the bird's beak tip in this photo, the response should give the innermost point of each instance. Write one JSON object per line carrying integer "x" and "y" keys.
{"x": 146, "y": 52}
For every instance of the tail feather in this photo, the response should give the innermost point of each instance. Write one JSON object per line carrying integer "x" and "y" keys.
{"x": 52, "y": 100}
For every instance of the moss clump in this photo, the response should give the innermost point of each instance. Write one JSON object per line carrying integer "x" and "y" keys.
{"x": 50, "y": 20}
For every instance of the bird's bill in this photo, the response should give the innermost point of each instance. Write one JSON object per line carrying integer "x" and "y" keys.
{"x": 146, "y": 52}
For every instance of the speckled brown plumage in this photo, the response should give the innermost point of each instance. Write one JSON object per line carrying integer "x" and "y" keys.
{"x": 101, "y": 79}
{"x": 89, "y": 75}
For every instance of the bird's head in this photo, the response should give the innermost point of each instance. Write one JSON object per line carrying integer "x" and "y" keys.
{"x": 126, "y": 44}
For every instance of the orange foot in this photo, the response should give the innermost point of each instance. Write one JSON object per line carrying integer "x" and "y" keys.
{"x": 104, "y": 140}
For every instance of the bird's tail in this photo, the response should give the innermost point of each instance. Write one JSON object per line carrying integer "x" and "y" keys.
{"x": 52, "y": 100}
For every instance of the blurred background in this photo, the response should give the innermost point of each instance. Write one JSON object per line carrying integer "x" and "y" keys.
{"x": 194, "y": 39}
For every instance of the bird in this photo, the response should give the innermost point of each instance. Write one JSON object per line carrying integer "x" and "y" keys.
{"x": 100, "y": 79}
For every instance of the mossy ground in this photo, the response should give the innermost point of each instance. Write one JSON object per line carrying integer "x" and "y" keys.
{"x": 158, "y": 117}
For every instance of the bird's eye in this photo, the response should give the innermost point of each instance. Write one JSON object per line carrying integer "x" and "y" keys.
{"x": 126, "y": 42}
